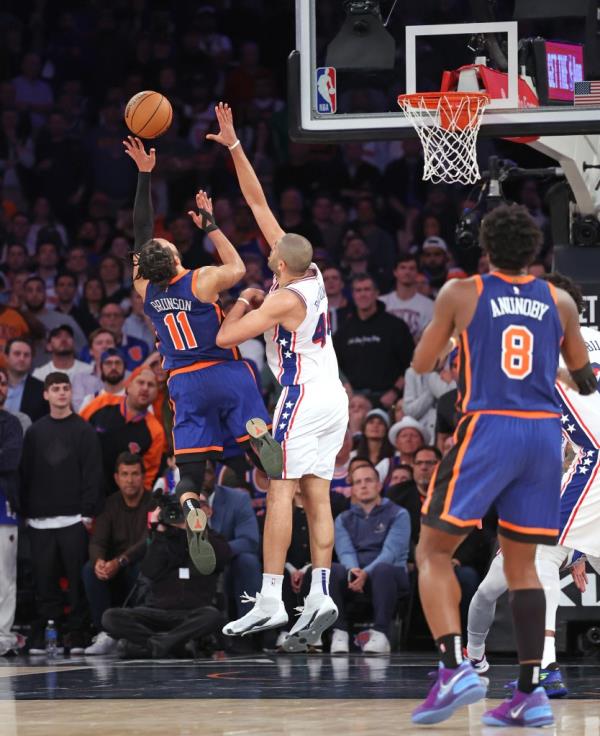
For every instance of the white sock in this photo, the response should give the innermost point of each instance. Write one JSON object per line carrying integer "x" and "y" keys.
{"x": 549, "y": 655}
{"x": 319, "y": 584}
{"x": 271, "y": 586}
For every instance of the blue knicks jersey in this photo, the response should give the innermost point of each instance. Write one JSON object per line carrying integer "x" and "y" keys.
{"x": 509, "y": 352}
{"x": 186, "y": 327}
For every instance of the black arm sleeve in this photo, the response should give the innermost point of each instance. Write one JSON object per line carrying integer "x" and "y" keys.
{"x": 143, "y": 212}
{"x": 585, "y": 380}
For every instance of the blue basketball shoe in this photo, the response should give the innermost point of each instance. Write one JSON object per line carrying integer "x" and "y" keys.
{"x": 530, "y": 710}
{"x": 551, "y": 680}
{"x": 452, "y": 688}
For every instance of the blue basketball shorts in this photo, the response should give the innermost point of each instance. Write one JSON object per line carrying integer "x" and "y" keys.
{"x": 211, "y": 406}
{"x": 512, "y": 462}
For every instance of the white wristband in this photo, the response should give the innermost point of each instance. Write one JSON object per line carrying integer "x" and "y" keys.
{"x": 241, "y": 299}
{"x": 237, "y": 143}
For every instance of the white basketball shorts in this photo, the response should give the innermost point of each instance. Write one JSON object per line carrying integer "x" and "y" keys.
{"x": 310, "y": 422}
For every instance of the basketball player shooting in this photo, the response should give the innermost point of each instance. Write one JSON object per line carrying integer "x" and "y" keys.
{"x": 212, "y": 390}
{"x": 311, "y": 416}
{"x": 512, "y": 328}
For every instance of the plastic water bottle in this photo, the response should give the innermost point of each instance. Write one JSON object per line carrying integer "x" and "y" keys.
{"x": 51, "y": 637}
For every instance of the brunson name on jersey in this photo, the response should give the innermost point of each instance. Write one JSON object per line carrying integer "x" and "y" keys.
{"x": 171, "y": 303}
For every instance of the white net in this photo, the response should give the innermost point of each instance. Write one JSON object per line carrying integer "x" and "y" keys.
{"x": 447, "y": 124}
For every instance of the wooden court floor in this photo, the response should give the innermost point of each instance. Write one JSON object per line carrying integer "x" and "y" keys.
{"x": 262, "y": 695}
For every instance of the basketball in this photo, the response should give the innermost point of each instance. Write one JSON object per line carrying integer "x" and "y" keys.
{"x": 148, "y": 114}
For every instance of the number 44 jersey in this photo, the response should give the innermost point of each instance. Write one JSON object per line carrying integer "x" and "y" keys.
{"x": 509, "y": 352}
{"x": 186, "y": 327}
{"x": 306, "y": 354}
{"x": 311, "y": 416}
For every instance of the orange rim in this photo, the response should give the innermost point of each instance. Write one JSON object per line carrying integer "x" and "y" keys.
{"x": 454, "y": 99}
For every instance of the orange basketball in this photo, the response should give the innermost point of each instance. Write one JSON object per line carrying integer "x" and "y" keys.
{"x": 148, "y": 114}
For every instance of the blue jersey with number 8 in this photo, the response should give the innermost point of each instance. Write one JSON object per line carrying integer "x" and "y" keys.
{"x": 509, "y": 352}
{"x": 186, "y": 327}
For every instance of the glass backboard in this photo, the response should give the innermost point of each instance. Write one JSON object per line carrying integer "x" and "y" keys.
{"x": 538, "y": 60}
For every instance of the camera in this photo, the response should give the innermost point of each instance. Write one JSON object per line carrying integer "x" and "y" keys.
{"x": 170, "y": 508}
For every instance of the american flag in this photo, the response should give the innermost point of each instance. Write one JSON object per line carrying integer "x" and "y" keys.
{"x": 587, "y": 93}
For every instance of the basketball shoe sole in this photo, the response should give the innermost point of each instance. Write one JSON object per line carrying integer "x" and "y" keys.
{"x": 266, "y": 447}
{"x": 201, "y": 551}
{"x": 311, "y": 626}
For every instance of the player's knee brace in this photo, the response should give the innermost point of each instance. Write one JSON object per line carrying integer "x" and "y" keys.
{"x": 192, "y": 478}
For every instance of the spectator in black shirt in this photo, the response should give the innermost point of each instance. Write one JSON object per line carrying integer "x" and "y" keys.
{"x": 117, "y": 545}
{"x": 61, "y": 474}
{"x": 374, "y": 349}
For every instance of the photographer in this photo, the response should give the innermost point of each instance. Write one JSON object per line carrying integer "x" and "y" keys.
{"x": 179, "y": 604}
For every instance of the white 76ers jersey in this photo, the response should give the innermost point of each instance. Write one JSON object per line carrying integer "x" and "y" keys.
{"x": 306, "y": 354}
{"x": 581, "y": 414}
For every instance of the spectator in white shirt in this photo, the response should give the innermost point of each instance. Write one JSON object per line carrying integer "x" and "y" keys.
{"x": 61, "y": 347}
{"x": 406, "y": 302}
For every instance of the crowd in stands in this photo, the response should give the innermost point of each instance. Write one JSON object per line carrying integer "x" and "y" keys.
{"x": 85, "y": 422}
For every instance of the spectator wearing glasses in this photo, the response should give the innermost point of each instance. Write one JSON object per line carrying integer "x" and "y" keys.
{"x": 372, "y": 542}
{"x": 411, "y": 493}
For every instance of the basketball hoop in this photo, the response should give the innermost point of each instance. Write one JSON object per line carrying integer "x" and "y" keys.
{"x": 447, "y": 124}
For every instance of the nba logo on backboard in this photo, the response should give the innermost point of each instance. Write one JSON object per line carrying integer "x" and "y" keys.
{"x": 326, "y": 90}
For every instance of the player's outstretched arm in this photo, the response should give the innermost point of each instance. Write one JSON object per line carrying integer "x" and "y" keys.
{"x": 211, "y": 280}
{"x": 573, "y": 347}
{"x": 242, "y": 324}
{"x": 435, "y": 342}
{"x": 143, "y": 212}
{"x": 249, "y": 183}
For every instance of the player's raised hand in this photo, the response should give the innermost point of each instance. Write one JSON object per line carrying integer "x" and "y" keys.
{"x": 204, "y": 217}
{"x": 226, "y": 135}
{"x": 134, "y": 148}
{"x": 255, "y": 296}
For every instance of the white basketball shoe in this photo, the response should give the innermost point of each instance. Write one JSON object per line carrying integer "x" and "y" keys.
{"x": 267, "y": 613}
{"x": 317, "y": 614}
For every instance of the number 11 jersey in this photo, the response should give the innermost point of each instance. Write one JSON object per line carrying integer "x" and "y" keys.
{"x": 185, "y": 326}
{"x": 509, "y": 352}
